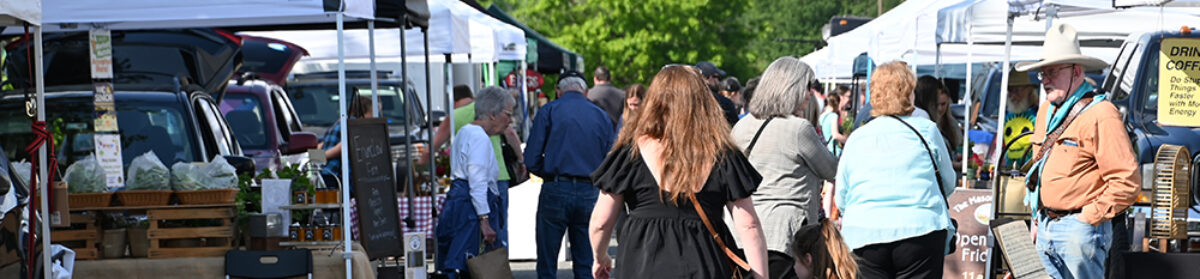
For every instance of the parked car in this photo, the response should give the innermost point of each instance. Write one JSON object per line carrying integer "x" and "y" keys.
{"x": 265, "y": 124}
{"x": 262, "y": 117}
{"x": 162, "y": 83}
{"x": 315, "y": 98}
{"x": 1133, "y": 86}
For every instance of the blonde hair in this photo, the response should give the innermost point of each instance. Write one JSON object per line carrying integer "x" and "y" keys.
{"x": 831, "y": 258}
{"x": 892, "y": 89}
{"x": 679, "y": 110}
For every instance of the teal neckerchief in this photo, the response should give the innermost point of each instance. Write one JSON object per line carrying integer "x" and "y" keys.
{"x": 1052, "y": 123}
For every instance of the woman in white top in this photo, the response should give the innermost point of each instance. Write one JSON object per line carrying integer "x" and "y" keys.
{"x": 471, "y": 205}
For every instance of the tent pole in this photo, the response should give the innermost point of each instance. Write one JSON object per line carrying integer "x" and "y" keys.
{"x": 997, "y": 153}
{"x": 474, "y": 81}
{"x": 937, "y": 71}
{"x": 43, "y": 172}
{"x": 409, "y": 221}
{"x": 448, "y": 83}
{"x": 341, "y": 72}
{"x": 969, "y": 113}
{"x": 374, "y": 79}
{"x": 429, "y": 125}
{"x": 524, "y": 98}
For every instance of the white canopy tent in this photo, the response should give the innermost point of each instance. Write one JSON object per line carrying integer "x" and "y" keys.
{"x": 81, "y": 15}
{"x": 21, "y": 12}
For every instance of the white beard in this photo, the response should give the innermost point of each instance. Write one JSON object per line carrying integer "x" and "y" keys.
{"x": 1018, "y": 107}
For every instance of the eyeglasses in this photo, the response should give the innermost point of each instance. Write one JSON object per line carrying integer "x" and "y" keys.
{"x": 1043, "y": 74}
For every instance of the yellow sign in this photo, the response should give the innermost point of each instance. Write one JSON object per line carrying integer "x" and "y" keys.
{"x": 1179, "y": 82}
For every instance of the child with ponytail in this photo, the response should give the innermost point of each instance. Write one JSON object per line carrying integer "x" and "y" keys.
{"x": 820, "y": 253}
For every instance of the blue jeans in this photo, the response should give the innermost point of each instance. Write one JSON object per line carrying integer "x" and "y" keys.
{"x": 502, "y": 233}
{"x": 564, "y": 207}
{"x": 1071, "y": 248}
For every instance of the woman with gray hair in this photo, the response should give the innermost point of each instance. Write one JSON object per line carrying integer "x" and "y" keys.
{"x": 784, "y": 147}
{"x": 472, "y": 209}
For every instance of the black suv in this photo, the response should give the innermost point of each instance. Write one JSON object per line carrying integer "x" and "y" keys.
{"x": 1133, "y": 86}
{"x": 315, "y": 98}
{"x": 162, "y": 80}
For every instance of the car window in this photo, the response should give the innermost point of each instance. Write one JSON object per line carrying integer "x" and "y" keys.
{"x": 1117, "y": 69}
{"x": 216, "y": 139}
{"x": 143, "y": 126}
{"x": 1150, "y": 84}
{"x": 249, "y": 123}
{"x": 285, "y": 112}
{"x": 316, "y": 104}
{"x": 1129, "y": 76}
{"x": 391, "y": 102}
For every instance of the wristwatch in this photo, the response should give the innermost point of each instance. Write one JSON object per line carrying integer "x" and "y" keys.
{"x": 483, "y": 217}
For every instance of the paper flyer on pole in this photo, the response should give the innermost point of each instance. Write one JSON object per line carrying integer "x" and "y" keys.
{"x": 108, "y": 153}
{"x": 101, "y": 52}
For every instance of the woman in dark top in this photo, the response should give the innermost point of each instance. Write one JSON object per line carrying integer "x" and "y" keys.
{"x": 678, "y": 150}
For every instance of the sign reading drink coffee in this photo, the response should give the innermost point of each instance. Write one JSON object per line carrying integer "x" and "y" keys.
{"x": 1179, "y": 82}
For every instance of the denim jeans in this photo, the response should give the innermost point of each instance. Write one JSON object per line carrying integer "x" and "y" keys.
{"x": 564, "y": 207}
{"x": 502, "y": 233}
{"x": 1071, "y": 248}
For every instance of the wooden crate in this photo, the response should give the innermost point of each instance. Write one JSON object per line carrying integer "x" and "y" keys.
{"x": 158, "y": 234}
{"x": 83, "y": 241}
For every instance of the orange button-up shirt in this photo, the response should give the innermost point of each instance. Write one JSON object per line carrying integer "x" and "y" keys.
{"x": 1092, "y": 166}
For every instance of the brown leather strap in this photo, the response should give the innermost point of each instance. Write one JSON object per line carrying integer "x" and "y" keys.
{"x": 703, "y": 217}
{"x": 1053, "y": 137}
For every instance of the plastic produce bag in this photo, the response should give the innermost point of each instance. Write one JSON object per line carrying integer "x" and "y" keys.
{"x": 86, "y": 176}
{"x": 23, "y": 168}
{"x": 146, "y": 172}
{"x": 220, "y": 174}
{"x": 186, "y": 177}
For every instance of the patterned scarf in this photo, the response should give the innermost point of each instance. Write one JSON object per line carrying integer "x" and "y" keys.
{"x": 1052, "y": 123}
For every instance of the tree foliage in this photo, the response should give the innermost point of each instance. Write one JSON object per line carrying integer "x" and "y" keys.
{"x": 635, "y": 38}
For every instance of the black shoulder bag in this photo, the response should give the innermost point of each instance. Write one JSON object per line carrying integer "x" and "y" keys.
{"x": 936, "y": 177}
{"x": 756, "y": 134}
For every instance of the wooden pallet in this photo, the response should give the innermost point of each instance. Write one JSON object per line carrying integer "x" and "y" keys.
{"x": 223, "y": 232}
{"x": 89, "y": 236}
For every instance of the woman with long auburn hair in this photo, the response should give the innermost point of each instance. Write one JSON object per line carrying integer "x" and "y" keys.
{"x": 676, "y": 155}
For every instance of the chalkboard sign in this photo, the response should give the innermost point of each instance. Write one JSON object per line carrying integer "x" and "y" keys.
{"x": 375, "y": 187}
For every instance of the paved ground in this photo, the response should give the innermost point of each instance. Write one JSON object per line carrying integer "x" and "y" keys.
{"x": 528, "y": 269}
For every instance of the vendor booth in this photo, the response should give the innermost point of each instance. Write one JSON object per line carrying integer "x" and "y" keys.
{"x": 66, "y": 16}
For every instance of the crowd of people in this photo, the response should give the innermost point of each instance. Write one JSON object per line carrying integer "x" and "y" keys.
{"x": 813, "y": 189}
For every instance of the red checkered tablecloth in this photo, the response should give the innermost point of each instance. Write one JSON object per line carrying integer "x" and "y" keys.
{"x": 424, "y": 214}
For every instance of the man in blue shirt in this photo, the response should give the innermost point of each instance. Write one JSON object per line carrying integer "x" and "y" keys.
{"x": 569, "y": 139}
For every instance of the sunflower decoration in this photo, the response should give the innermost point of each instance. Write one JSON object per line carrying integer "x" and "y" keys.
{"x": 1014, "y": 125}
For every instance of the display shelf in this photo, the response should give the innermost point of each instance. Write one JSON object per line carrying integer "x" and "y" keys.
{"x": 308, "y": 243}
{"x": 312, "y": 206}
{"x": 177, "y": 206}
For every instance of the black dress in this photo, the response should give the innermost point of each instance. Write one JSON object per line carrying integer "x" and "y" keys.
{"x": 663, "y": 240}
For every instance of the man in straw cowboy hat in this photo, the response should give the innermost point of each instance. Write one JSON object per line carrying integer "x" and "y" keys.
{"x": 1083, "y": 172}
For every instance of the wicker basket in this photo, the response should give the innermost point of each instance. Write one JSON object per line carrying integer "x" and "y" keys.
{"x": 144, "y": 197}
{"x": 85, "y": 200}
{"x": 214, "y": 196}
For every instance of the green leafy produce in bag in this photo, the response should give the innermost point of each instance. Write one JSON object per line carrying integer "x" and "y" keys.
{"x": 220, "y": 174}
{"x": 146, "y": 172}
{"x": 86, "y": 176}
{"x": 186, "y": 177}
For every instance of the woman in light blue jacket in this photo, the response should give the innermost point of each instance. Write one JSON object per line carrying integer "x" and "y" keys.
{"x": 894, "y": 213}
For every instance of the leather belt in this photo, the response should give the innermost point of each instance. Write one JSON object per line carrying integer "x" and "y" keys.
{"x": 1055, "y": 214}
{"x": 575, "y": 179}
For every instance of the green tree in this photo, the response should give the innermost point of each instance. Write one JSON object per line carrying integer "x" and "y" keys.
{"x": 635, "y": 38}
